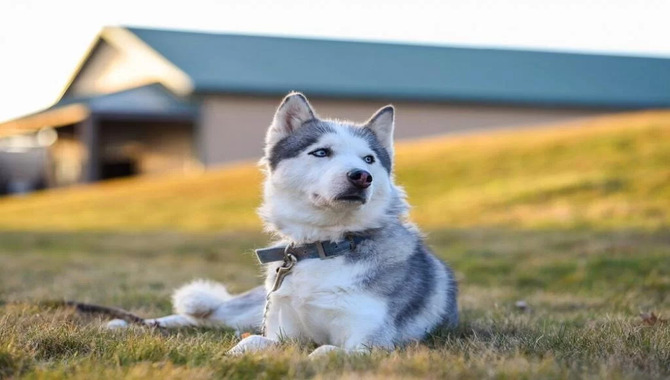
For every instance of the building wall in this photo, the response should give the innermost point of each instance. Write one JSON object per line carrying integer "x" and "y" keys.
{"x": 233, "y": 127}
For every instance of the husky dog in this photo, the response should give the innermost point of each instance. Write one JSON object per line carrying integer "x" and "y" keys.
{"x": 349, "y": 271}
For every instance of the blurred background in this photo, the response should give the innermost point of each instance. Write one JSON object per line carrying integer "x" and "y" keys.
{"x": 533, "y": 139}
{"x": 143, "y": 88}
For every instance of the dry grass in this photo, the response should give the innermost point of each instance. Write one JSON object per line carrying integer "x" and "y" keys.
{"x": 573, "y": 220}
{"x": 608, "y": 172}
{"x": 584, "y": 291}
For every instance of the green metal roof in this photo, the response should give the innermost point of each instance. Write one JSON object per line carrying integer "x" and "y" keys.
{"x": 271, "y": 65}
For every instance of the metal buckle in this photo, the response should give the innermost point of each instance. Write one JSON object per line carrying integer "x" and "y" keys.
{"x": 321, "y": 250}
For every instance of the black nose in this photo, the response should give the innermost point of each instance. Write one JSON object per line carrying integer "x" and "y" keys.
{"x": 360, "y": 178}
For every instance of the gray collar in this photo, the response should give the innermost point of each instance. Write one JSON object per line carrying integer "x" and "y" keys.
{"x": 318, "y": 250}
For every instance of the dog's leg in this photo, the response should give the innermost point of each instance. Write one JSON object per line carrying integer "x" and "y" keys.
{"x": 354, "y": 345}
{"x": 359, "y": 326}
{"x": 253, "y": 343}
{"x": 282, "y": 321}
{"x": 280, "y": 324}
{"x": 362, "y": 330}
{"x": 326, "y": 349}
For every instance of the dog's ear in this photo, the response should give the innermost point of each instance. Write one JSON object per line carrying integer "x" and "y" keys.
{"x": 292, "y": 113}
{"x": 382, "y": 124}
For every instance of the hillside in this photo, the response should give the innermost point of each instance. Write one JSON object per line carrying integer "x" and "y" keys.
{"x": 571, "y": 219}
{"x": 608, "y": 172}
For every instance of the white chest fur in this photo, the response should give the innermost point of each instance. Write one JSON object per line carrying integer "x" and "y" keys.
{"x": 323, "y": 301}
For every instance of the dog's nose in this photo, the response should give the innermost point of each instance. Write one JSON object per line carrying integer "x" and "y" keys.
{"x": 360, "y": 178}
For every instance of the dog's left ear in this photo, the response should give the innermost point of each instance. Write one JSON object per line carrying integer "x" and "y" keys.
{"x": 382, "y": 124}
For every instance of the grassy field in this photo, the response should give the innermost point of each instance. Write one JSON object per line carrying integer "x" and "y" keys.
{"x": 573, "y": 220}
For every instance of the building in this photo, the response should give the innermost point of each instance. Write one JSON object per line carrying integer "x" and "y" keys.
{"x": 154, "y": 101}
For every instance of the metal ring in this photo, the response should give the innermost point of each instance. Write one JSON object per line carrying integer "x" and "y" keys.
{"x": 291, "y": 260}
{"x": 287, "y": 250}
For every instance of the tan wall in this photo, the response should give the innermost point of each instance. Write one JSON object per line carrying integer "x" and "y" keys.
{"x": 233, "y": 127}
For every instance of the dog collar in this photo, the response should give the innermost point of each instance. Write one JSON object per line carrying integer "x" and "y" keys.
{"x": 318, "y": 250}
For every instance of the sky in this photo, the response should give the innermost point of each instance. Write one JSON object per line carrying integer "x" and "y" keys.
{"x": 42, "y": 41}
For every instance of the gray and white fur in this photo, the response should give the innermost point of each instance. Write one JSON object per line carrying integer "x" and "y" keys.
{"x": 326, "y": 179}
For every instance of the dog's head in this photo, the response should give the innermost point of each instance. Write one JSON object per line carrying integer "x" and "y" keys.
{"x": 327, "y": 177}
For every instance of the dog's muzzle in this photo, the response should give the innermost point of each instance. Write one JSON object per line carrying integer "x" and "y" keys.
{"x": 359, "y": 182}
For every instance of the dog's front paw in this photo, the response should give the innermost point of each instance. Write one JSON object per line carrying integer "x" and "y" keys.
{"x": 324, "y": 351}
{"x": 253, "y": 343}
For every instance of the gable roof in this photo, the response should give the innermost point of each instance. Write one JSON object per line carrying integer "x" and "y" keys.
{"x": 127, "y": 43}
{"x": 231, "y": 63}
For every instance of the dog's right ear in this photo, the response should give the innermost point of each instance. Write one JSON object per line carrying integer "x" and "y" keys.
{"x": 292, "y": 113}
{"x": 382, "y": 124}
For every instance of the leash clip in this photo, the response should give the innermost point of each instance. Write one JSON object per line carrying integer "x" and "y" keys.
{"x": 282, "y": 271}
{"x": 285, "y": 268}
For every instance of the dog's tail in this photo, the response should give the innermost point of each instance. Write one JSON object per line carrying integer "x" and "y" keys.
{"x": 209, "y": 303}
{"x": 199, "y": 298}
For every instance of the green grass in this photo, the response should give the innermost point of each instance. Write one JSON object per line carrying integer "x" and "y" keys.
{"x": 574, "y": 220}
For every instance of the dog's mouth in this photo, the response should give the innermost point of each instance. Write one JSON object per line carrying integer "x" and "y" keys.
{"x": 352, "y": 198}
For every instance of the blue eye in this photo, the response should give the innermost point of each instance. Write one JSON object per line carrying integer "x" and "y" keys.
{"x": 369, "y": 159}
{"x": 323, "y": 152}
